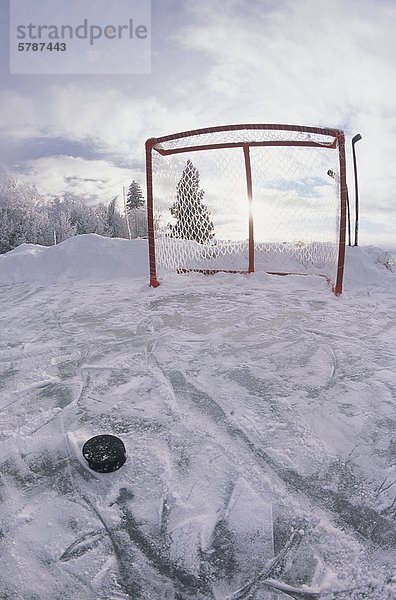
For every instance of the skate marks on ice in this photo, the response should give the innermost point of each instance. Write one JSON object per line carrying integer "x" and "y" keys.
{"x": 338, "y": 489}
{"x": 341, "y": 513}
{"x": 207, "y": 411}
{"x": 306, "y": 403}
{"x": 38, "y": 515}
{"x": 197, "y": 542}
{"x": 157, "y": 529}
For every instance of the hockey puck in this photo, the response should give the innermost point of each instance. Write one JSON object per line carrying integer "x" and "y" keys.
{"x": 104, "y": 453}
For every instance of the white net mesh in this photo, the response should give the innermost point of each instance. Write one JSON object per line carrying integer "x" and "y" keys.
{"x": 201, "y": 206}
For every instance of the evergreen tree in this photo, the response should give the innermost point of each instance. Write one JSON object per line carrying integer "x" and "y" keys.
{"x": 137, "y": 223}
{"x": 193, "y": 220}
{"x": 61, "y": 219}
{"x": 115, "y": 222}
{"x": 20, "y": 205}
{"x": 134, "y": 197}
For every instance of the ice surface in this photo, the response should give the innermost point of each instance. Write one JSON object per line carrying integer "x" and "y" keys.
{"x": 258, "y": 415}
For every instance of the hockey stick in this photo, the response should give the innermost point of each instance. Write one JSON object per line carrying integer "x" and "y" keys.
{"x": 355, "y": 139}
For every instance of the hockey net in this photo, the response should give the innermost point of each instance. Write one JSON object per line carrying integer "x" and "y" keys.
{"x": 245, "y": 198}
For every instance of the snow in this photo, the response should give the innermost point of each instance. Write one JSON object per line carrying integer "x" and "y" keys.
{"x": 258, "y": 414}
{"x": 78, "y": 258}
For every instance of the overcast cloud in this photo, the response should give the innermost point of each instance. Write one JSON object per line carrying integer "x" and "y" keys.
{"x": 312, "y": 62}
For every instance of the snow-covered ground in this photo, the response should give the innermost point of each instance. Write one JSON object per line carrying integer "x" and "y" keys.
{"x": 258, "y": 414}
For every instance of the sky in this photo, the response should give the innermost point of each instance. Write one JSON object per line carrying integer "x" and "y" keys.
{"x": 326, "y": 63}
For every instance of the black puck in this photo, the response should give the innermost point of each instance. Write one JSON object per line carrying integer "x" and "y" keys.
{"x": 104, "y": 453}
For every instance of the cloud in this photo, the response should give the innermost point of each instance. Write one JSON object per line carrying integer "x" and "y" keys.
{"x": 104, "y": 119}
{"x": 304, "y": 60}
{"x": 96, "y": 180}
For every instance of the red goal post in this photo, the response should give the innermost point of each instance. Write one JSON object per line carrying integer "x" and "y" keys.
{"x": 240, "y": 198}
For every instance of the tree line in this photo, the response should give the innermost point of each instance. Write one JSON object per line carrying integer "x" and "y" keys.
{"x": 26, "y": 216}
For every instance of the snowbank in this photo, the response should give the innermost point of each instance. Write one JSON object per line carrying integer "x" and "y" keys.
{"x": 88, "y": 256}
{"x": 92, "y": 257}
{"x": 369, "y": 267}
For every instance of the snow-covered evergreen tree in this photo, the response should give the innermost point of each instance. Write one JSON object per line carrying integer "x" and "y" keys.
{"x": 192, "y": 216}
{"x": 135, "y": 196}
{"x": 20, "y": 213}
{"x": 115, "y": 222}
{"x": 135, "y": 211}
{"x": 62, "y": 221}
{"x": 138, "y": 222}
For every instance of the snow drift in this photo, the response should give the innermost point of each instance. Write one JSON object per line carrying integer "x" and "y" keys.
{"x": 95, "y": 258}
{"x": 81, "y": 257}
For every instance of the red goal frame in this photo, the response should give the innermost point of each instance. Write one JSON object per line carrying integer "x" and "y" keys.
{"x": 338, "y": 141}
